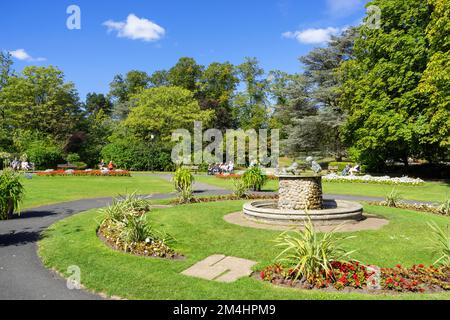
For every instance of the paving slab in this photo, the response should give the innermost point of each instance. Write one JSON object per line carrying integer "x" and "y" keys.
{"x": 221, "y": 268}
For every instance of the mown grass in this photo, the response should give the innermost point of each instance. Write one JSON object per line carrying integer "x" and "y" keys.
{"x": 200, "y": 232}
{"x": 430, "y": 191}
{"x": 49, "y": 190}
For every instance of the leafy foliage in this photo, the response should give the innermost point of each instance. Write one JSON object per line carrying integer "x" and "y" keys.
{"x": 11, "y": 193}
{"x": 183, "y": 182}
{"x": 254, "y": 178}
{"x": 441, "y": 244}
{"x": 310, "y": 254}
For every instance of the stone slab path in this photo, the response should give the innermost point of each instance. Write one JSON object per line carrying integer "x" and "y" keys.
{"x": 221, "y": 268}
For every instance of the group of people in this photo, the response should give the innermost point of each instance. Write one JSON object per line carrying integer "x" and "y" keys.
{"x": 220, "y": 168}
{"x": 351, "y": 171}
{"x": 102, "y": 165}
{"x": 17, "y": 165}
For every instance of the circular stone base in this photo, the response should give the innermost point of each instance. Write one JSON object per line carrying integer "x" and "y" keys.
{"x": 368, "y": 223}
{"x": 333, "y": 212}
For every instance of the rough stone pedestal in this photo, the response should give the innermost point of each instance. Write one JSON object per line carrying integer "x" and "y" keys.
{"x": 300, "y": 192}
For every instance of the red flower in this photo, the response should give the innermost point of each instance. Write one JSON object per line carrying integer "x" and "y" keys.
{"x": 263, "y": 275}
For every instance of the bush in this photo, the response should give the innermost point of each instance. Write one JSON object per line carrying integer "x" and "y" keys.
{"x": 183, "y": 181}
{"x": 444, "y": 208}
{"x": 72, "y": 158}
{"x": 393, "y": 198}
{"x": 239, "y": 188}
{"x": 254, "y": 178}
{"x": 309, "y": 254}
{"x": 133, "y": 155}
{"x": 441, "y": 245}
{"x": 44, "y": 155}
{"x": 11, "y": 193}
{"x": 125, "y": 227}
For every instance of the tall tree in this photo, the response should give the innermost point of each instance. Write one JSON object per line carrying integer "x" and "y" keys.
{"x": 251, "y": 105}
{"x": 217, "y": 85}
{"x": 123, "y": 87}
{"x": 435, "y": 84}
{"x": 389, "y": 116}
{"x": 159, "y": 111}
{"x": 185, "y": 74}
{"x": 96, "y": 102}
{"x": 40, "y": 100}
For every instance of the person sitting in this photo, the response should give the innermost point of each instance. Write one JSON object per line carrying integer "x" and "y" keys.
{"x": 355, "y": 170}
{"x": 111, "y": 166}
{"x": 102, "y": 164}
{"x": 230, "y": 168}
{"x": 346, "y": 170}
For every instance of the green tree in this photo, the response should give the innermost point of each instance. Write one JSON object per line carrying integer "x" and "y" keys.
{"x": 96, "y": 102}
{"x": 122, "y": 88}
{"x": 435, "y": 84}
{"x": 217, "y": 85}
{"x": 390, "y": 116}
{"x": 185, "y": 74}
{"x": 159, "y": 111}
{"x": 40, "y": 100}
{"x": 251, "y": 105}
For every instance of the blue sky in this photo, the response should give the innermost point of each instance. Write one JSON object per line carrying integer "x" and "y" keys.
{"x": 118, "y": 36}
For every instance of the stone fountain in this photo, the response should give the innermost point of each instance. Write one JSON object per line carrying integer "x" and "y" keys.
{"x": 300, "y": 196}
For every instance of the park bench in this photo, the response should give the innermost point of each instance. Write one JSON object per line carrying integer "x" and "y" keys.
{"x": 194, "y": 169}
{"x": 66, "y": 166}
{"x": 333, "y": 169}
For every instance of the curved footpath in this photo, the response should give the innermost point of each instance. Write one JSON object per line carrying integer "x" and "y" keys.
{"x": 22, "y": 275}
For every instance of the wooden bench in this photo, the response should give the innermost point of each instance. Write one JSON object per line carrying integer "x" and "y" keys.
{"x": 192, "y": 168}
{"x": 333, "y": 169}
{"x": 66, "y": 166}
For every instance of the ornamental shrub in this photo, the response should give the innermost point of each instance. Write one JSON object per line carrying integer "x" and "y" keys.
{"x": 11, "y": 193}
{"x": 254, "y": 178}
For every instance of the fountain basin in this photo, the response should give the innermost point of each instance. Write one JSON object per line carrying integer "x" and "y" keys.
{"x": 333, "y": 212}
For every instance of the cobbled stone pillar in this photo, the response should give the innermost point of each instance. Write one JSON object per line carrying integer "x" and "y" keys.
{"x": 300, "y": 192}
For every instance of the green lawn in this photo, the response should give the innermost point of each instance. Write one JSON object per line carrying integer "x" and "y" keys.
{"x": 431, "y": 191}
{"x": 48, "y": 190}
{"x": 201, "y": 231}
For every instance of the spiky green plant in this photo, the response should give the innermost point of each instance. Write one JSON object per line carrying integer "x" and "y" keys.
{"x": 393, "y": 198}
{"x": 239, "y": 188}
{"x": 444, "y": 208}
{"x": 254, "y": 178}
{"x": 11, "y": 193}
{"x": 183, "y": 181}
{"x": 440, "y": 244}
{"x": 310, "y": 253}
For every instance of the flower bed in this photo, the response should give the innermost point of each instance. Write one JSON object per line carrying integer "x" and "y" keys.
{"x": 421, "y": 207}
{"x": 155, "y": 248}
{"x": 84, "y": 173}
{"x": 333, "y": 177}
{"x": 355, "y": 276}
{"x": 228, "y": 197}
{"x": 238, "y": 176}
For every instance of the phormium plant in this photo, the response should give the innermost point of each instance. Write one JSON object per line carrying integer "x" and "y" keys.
{"x": 11, "y": 193}
{"x": 183, "y": 181}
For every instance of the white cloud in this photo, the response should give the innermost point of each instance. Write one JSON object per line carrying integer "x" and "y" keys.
{"x": 136, "y": 28}
{"x": 343, "y": 7}
{"x": 21, "y": 54}
{"x": 313, "y": 36}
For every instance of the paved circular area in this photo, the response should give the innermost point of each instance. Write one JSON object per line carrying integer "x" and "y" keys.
{"x": 370, "y": 223}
